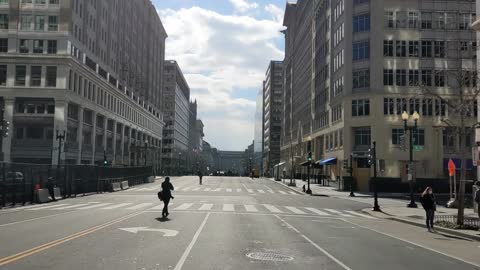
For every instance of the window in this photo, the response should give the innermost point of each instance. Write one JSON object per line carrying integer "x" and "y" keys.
{"x": 401, "y": 105}
{"x": 3, "y": 21}
{"x": 34, "y": 133}
{"x": 396, "y": 134}
{"x": 52, "y": 23}
{"x": 388, "y": 77}
{"x": 451, "y": 20}
{"x": 413, "y": 19}
{"x": 35, "y": 75}
{"x": 389, "y": 19}
{"x": 401, "y": 77}
{"x": 42, "y": 2}
{"x": 52, "y": 47}
{"x": 26, "y": 22}
{"x": 419, "y": 136}
{"x": 361, "y": 78}
{"x": 39, "y": 23}
{"x": 440, "y": 20}
{"x": 413, "y": 77}
{"x": 440, "y": 78}
{"x": 3, "y": 44}
{"x": 427, "y": 77}
{"x": 440, "y": 107}
{"x": 388, "y": 48}
{"x": 3, "y": 75}
{"x": 464, "y": 21}
{"x": 359, "y": 2}
{"x": 361, "y": 50}
{"x": 401, "y": 48}
{"x": 439, "y": 49}
{"x": 38, "y": 46}
{"x": 362, "y": 136}
{"x": 24, "y": 46}
{"x": 401, "y": 19}
{"x": 427, "y": 107}
{"x": 360, "y": 107}
{"x": 388, "y": 106}
{"x": 426, "y": 20}
{"x": 414, "y": 105}
{"x": 53, "y": 2}
{"x": 413, "y": 48}
{"x": 361, "y": 23}
{"x": 426, "y": 48}
{"x": 51, "y": 77}
{"x": 19, "y": 133}
{"x": 20, "y": 73}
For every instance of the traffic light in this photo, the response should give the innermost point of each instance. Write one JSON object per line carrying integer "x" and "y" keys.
{"x": 345, "y": 164}
{"x": 5, "y": 128}
{"x": 105, "y": 161}
{"x": 370, "y": 157}
{"x": 309, "y": 157}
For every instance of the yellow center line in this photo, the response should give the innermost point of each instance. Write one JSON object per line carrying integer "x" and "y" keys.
{"x": 29, "y": 252}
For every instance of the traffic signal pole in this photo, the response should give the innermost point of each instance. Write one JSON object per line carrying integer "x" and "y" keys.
{"x": 309, "y": 159}
{"x": 376, "y": 207}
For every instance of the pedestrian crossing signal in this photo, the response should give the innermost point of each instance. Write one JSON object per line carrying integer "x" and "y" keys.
{"x": 309, "y": 157}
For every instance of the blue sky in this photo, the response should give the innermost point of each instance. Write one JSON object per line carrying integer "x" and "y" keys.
{"x": 223, "y": 48}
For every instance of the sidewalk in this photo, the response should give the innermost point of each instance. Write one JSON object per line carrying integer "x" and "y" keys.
{"x": 392, "y": 206}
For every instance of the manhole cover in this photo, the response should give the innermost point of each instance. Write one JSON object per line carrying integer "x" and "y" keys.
{"x": 269, "y": 256}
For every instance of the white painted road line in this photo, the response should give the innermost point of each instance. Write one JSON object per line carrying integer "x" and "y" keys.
{"x": 229, "y": 190}
{"x": 271, "y": 191}
{"x": 116, "y": 206}
{"x": 360, "y": 215}
{"x": 184, "y": 206}
{"x": 138, "y": 206}
{"x": 94, "y": 206}
{"x": 239, "y": 190}
{"x": 316, "y": 211}
{"x": 260, "y": 190}
{"x": 337, "y": 212}
{"x": 293, "y": 193}
{"x": 206, "y": 206}
{"x": 250, "y": 208}
{"x": 195, "y": 189}
{"x": 190, "y": 246}
{"x": 207, "y": 189}
{"x": 228, "y": 207}
{"x": 69, "y": 207}
{"x": 282, "y": 192}
{"x": 249, "y": 190}
{"x": 217, "y": 189}
{"x": 47, "y": 207}
{"x": 187, "y": 188}
{"x": 272, "y": 208}
{"x": 295, "y": 210}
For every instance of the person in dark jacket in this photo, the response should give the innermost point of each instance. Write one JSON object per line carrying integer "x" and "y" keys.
{"x": 51, "y": 188}
{"x": 429, "y": 204}
{"x": 200, "y": 176}
{"x": 477, "y": 197}
{"x": 167, "y": 188}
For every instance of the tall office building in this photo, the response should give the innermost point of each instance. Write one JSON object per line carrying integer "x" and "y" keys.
{"x": 176, "y": 109}
{"x": 79, "y": 67}
{"x": 272, "y": 115}
{"x": 256, "y": 161}
{"x": 372, "y": 61}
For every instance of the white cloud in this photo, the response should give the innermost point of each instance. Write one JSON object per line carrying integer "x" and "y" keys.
{"x": 277, "y": 12}
{"x": 243, "y": 5}
{"x": 224, "y": 59}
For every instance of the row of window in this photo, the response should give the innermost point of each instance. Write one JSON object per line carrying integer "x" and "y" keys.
{"x": 38, "y": 46}
{"x": 337, "y": 113}
{"x": 429, "y": 20}
{"x": 36, "y": 73}
{"x": 338, "y": 10}
{"x": 338, "y": 60}
{"x": 334, "y": 140}
{"x": 40, "y": 23}
{"x": 428, "y": 77}
{"x": 430, "y": 48}
{"x": 426, "y": 107}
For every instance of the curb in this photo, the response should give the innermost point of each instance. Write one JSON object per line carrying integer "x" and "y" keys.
{"x": 414, "y": 223}
{"x": 287, "y": 186}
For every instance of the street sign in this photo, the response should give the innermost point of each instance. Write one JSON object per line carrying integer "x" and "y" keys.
{"x": 417, "y": 147}
{"x": 166, "y": 232}
{"x": 451, "y": 167}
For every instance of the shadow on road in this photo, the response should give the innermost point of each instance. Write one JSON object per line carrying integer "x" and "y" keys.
{"x": 162, "y": 219}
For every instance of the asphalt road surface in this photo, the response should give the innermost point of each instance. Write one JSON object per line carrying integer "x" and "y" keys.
{"x": 226, "y": 223}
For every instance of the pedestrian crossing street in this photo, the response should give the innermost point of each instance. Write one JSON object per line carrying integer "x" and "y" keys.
{"x": 228, "y": 190}
{"x": 226, "y": 207}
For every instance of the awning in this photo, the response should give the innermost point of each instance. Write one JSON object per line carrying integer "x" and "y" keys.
{"x": 304, "y": 164}
{"x": 328, "y": 161}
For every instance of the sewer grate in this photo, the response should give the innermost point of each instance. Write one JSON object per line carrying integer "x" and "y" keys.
{"x": 269, "y": 256}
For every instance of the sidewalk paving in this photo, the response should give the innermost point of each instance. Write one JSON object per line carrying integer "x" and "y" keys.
{"x": 392, "y": 205}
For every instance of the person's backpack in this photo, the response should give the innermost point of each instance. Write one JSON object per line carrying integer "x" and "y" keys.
{"x": 159, "y": 194}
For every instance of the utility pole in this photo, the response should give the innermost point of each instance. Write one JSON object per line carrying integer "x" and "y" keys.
{"x": 376, "y": 207}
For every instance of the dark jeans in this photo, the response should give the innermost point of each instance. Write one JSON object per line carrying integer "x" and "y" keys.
{"x": 430, "y": 213}
{"x": 165, "y": 207}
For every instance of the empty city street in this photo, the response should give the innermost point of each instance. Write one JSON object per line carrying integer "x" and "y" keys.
{"x": 226, "y": 223}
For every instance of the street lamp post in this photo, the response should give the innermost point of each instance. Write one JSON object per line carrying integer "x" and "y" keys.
{"x": 410, "y": 129}
{"x": 179, "y": 158}
{"x": 60, "y": 138}
{"x": 146, "y": 148}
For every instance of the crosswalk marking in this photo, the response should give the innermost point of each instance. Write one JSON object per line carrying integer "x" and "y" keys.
{"x": 69, "y": 207}
{"x": 295, "y": 210}
{"x": 93, "y": 206}
{"x": 48, "y": 206}
{"x": 228, "y": 207}
{"x": 138, "y": 206}
{"x": 272, "y": 208}
{"x": 217, "y": 189}
{"x": 187, "y": 188}
{"x": 184, "y": 206}
{"x": 316, "y": 211}
{"x": 239, "y": 190}
{"x": 250, "y": 208}
{"x": 261, "y": 190}
{"x": 282, "y": 192}
{"x": 143, "y": 189}
{"x": 291, "y": 192}
{"x": 337, "y": 212}
{"x": 206, "y": 206}
{"x": 132, "y": 189}
{"x": 229, "y": 190}
{"x": 195, "y": 189}
{"x": 116, "y": 206}
{"x": 359, "y": 214}
{"x": 249, "y": 190}
{"x": 207, "y": 189}
{"x": 271, "y": 191}
{"x": 160, "y": 206}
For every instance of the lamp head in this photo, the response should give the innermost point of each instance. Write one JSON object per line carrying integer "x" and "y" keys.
{"x": 405, "y": 116}
{"x": 416, "y": 116}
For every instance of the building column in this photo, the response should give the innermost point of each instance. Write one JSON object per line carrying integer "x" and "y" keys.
{"x": 60, "y": 124}
{"x": 122, "y": 142}
{"x": 9, "y": 103}
{"x": 80, "y": 135}
{"x": 94, "y": 135}
{"x": 129, "y": 148}
{"x": 105, "y": 133}
{"x": 114, "y": 140}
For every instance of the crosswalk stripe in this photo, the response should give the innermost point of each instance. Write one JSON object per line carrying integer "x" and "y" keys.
{"x": 195, "y": 189}
{"x": 250, "y": 208}
{"x": 337, "y": 212}
{"x": 138, "y": 206}
{"x": 47, "y": 207}
{"x": 69, "y": 207}
{"x": 249, "y": 190}
{"x": 187, "y": 188}
{"x": 239, "y": 190}
{"x": 271, "y": 191}
{"x": 295, "y": 210}
{"x": 132, "y": 189}
{"x": 272, "y": 208}
{"x": 261, "y": 190}
{"x": 359, "y": 214}
{"x": 229, "y": 190}
{"x": 217, "y": 189}
{"x": 160, "y": 206}
{"x": 94, "y": 206}
{"x": 116, "y": 206}
{"x": 184, "y": 206}
{"x": 30, "y": 206}
{"x": 316, "y": 211}
{"x": 207, "y": 189}
{"x": 282, "y": 192}
{"x": 292, "y": 192}
{"x": 143, "y": 189}
{"x": 228, "y": 207}
{"x": 206, "y": 206}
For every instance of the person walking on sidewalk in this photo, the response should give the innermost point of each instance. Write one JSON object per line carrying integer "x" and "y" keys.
{"x": 429, "y": 204}
{"x": 166, "y": 195}
{"x": 477, "y": 197}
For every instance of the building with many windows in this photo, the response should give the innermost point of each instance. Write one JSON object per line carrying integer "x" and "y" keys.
{"x": 77, "y": 67}
{"x": 256, "y": 160}
{"x": 372, "y": 61}
{"x": 176, "y": 108}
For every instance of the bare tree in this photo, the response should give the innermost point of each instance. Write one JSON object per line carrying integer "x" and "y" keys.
{"x": 460, "y": 103}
